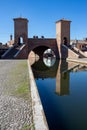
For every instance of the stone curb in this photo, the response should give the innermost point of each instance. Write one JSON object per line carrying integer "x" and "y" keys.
{"x": 39, "y": 118}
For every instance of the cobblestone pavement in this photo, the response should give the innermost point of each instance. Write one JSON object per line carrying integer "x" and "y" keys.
{"x": 15, "y": 106}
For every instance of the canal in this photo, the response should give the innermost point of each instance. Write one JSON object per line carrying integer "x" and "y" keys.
{"x": 62, "y": 88}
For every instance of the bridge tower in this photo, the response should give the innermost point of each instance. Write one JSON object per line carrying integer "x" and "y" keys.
{"x": 62, "y": 33}
{"x": 62, "y": 78}
{"x": 20, "y": 30}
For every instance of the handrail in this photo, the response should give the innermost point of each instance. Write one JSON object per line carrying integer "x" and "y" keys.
{"x": 7, "y": 51}
{"x": 70, "y": 50}
{"x": 19, "y": 50}
{"x": 79, "y": 52}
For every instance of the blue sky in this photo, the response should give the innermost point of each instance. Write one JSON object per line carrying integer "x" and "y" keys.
{"x": 42, "y": 15}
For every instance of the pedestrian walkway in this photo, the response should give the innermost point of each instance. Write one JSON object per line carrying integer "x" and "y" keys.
{"x": 15, "y": 96}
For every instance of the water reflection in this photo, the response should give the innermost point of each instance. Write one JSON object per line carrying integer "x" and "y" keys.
{"x": 50, "y": 61}
{"x": 60, "y": 70}
{"x": 62, "y": 79}
{"x": 41, "y": 71}
{"x": 63, "y": 93}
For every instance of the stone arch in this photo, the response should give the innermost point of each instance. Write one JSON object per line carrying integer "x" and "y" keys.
{"x": 49, "y": 53}
{"x": 65, "y": 41}
{"x": 20, "y": 40}
{"x": 39, "y": 50}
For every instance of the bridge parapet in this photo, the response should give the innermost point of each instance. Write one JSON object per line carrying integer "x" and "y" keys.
{"x": 34, "y": 43}
{"x": 40, "y": 41}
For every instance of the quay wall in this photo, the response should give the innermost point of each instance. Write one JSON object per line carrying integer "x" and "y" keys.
{"x": 39, "y": 118}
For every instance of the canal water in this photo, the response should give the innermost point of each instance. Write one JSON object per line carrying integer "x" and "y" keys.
{"x": 62, "y": 88}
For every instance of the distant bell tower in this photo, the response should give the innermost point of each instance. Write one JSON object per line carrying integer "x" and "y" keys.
{"x": 10, "y": 37}
{"x": 63, "y": 32}
{"x": 20, "y": 30}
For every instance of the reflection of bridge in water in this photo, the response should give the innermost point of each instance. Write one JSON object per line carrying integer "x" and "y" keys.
{"x": 60, "y": 70}
{"x": 40, "y": 70}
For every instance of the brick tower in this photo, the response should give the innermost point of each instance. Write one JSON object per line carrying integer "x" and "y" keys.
{"x": 20, "y": 30}
{"x": 62, "y": 34}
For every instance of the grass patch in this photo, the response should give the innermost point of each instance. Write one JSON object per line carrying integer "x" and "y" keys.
{"x": 23, "y": 90}
{"x": 27, "y": 127}
{"x": 19, "y": 80}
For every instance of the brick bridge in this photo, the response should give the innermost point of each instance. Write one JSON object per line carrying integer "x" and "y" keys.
{"x": 40, "y": 45}
{"x": 24, "y": 45}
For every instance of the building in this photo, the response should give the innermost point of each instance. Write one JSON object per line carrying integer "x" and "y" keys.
{"x": 80, "y": 44}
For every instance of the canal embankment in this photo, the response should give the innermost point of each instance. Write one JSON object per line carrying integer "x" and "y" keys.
{"x": 15, "y": 96}
{"x": 39, "y": 118}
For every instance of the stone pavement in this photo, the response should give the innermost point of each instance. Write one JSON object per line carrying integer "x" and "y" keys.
{"x": 15, "y": 97}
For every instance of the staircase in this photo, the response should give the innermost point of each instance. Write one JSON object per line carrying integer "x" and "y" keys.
{"x": 73, "y": 53}
{"x": 79, "y": 52}
{"x": 11, "y": 52}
